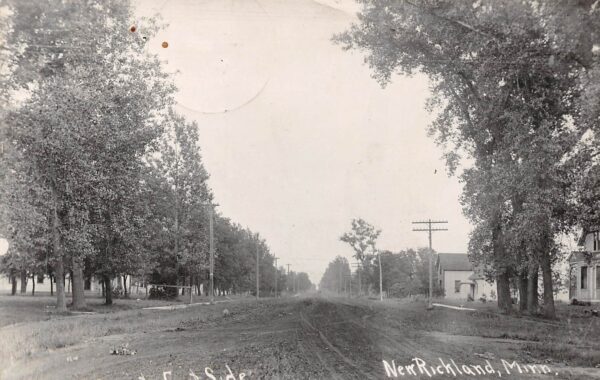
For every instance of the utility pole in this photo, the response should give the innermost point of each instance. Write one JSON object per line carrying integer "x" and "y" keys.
{"x": 429, "y": 229}
{"x": 357, "y": 266}
{"x": 257, "y": 262}
{"x": 212, "y": 254}
{"x": 211, "y": 245}
{"x": 381, "y": 279}
{"x": 348, "y": 284}
{"x": 276, "y": 275}
{"x": 340, "y": 277}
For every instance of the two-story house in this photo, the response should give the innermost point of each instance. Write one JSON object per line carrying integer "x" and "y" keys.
{"x": 584, "y": 268}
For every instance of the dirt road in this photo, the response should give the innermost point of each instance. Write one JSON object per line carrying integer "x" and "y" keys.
{"x": 291, "y": 338}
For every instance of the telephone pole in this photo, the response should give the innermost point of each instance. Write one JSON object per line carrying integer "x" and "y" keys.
{"x": 340, "y": 278}
{"x": 381, "y": 278}
{"x": 357, "y": 266}
{"x": 211, "y": 248}
{"x": 430, "y": 229}
{"x": 211, "y": 243}
{"x": 257, "y": 262}
{"x": 276, "y": 275}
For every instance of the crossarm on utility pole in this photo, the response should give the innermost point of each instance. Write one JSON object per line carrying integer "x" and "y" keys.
{"x": 429, "y": 229}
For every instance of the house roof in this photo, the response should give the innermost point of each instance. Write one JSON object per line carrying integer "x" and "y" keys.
{"x": 583, "y": 256}
{"x": 584, "y": 233}
{"x": 454, "y": 261}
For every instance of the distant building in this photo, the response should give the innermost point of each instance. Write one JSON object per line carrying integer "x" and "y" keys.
{"x": 584, "y": 268}
{"x": 459, "y": 280}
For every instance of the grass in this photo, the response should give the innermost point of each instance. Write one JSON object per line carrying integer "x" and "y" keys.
{"x": 50, "y": 331}
{"x": 20, "y": 309}
{"x": 573, "y": 338}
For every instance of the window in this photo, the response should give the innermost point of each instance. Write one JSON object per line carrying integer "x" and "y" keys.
{"x": 583, "y": 278}
{"x": 457, "y": 286}
{"x": 572, "y": 282}
{"x": 40, "y": 279}
{"x": 596, "y": 236}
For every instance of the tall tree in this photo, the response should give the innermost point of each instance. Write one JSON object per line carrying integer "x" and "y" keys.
{"x": 336, "y": 273}
{"x": 93, "y": 109}
{"x": 189, "y": 198}
{"x": 362, "y": 238}
{"x": 501, "y": 90}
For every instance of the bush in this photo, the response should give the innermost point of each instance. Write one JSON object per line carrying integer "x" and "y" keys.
{"x": 117, "y": 292}
{"x": 162, "y": 293}
{"x": 397, "y": 291}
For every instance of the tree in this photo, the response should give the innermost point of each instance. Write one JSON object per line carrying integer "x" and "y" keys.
{"x": 303, "y": 283}
{"x": 362, "y": 239}
{"x": 336, "y": 272}
{"x": 406, "y": 273}
{"x": 504, "y": 95}
{"x": 93, "y": 110}
{"x": 188, "y": 198}
{"x": 23, "y": 218}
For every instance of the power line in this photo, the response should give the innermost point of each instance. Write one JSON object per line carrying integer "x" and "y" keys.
{"x": 430, "y": 229}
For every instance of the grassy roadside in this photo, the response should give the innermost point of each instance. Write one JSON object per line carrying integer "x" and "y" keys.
{"x": 42, "y": 331}
{"x": 572, "y": 339}
{"x": 25, "y": 308}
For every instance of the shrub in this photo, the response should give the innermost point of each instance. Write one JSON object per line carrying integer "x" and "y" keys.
{"x": 162, "y": 293}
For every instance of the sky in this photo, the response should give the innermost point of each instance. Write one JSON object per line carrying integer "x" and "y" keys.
{"x": 296, "y": 135}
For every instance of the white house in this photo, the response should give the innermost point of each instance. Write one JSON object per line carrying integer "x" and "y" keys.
{"x": 584, "y": 268}
{"x": 459, "y": 280}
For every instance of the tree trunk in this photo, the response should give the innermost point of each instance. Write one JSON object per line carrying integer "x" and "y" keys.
{"x": 23, "y": 281}
{"x": 51, "y": 277}
{"x": 523, "y": 290}
{"x": 78, "y": 284}
{"x": 503, "y": 276}
{"x": 33, "y": 284}
{"x": 546, "y": 265}
{"x": 61, "y": 302}
{"x": 125, "y": 292}
{"x": 532, "y": 288}
{"x": 13, "y": 281}
{"x": 103, "y": 291}
{"x": 59, "y": 270}
{"x": 503, "y": 289}
{"x": 107, "y": 290}
{"x": 521, "y": 259}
